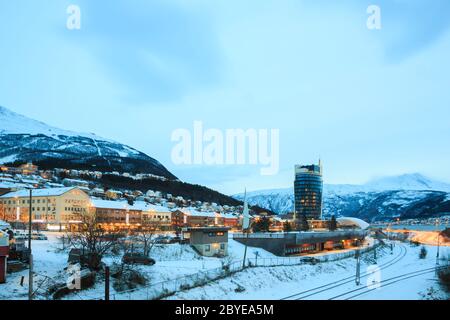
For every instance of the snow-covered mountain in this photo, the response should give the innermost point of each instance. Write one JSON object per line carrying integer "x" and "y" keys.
{"x": 408, "y": 195}
{"x": 414, "y": 181}
{"x": 23, "y": 139}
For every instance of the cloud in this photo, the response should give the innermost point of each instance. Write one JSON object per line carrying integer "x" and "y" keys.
{"x": 158, "y": 51}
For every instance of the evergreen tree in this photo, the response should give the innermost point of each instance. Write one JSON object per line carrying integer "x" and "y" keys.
{"x": 303, "y": 223}
{"x": 262, "y": 225}
{"x": 332, "y": 223}
{"x": 287, "y": 226}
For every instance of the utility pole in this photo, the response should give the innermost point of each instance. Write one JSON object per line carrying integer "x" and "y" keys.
{"x": 107, "y": 283}
{"x": 30, "y": 258}
{"x": 245, "y": 226}
{"x": 375, "y": 254}
{"x": 438, "y": 242}
{"x": 358, "y": 268}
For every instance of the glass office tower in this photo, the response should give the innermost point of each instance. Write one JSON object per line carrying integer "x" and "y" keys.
{"x": 308, "y": 186}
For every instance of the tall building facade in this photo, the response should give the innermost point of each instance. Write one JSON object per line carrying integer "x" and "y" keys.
{"x": 308, "y": 189}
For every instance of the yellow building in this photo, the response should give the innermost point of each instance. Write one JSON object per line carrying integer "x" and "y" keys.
{"x": 53, "y": 206}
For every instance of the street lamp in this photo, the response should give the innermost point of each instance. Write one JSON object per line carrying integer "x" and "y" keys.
{"x": 438, "y": 242}
{"x": 17, "y": 208}
{"x": 30, "y": 258}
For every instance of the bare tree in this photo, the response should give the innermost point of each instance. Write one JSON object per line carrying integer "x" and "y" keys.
{"x": 93, "y": 241}
{"x": 146, "y": 234}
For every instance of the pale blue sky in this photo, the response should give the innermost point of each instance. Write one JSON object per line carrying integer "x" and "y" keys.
{"x": 368, "y": 102}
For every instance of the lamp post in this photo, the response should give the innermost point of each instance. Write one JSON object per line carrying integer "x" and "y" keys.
{"x": 438, "y": 242}
{"x": 17, "y": 208}
{"x": 30, "y": 258}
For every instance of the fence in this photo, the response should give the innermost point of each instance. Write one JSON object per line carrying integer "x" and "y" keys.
{"x": 167, "y": 288}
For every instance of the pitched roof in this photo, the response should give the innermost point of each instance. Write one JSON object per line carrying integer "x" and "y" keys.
{"x": 123, "y": 205}
{"x": 38, "y": 192}
{"x": 193, "y": 212}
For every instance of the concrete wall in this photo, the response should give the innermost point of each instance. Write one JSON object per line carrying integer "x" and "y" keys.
{"x": 277, "y": 242}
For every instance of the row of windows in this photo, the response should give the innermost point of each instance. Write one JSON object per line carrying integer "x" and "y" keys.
{"x": 33, "y": 209}
{"x": 75, "y": 209}
{"x": 208, "y": 247}
{"x": 25, "y": 201}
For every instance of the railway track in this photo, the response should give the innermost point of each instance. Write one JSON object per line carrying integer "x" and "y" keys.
{"x": 332, "y": 285}
{"x": 387, "y": 282}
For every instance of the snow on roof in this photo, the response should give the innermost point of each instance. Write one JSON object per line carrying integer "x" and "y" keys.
{"x": 350, "y": 221}
{"x": 193, "y": 212}
{"x": 123, "y": 205}
{"x": 10, "y": 185}
{"x": 228, "y": 216}
{"x": 109, "y": 204}
{"x": 144, "y": 206}
{"x": 38, "y": 192}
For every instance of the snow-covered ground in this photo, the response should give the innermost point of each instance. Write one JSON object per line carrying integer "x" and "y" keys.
{"x": 172, "y": 261}
{"x": 302, "y": 282}
{"x": 175, "y": 261}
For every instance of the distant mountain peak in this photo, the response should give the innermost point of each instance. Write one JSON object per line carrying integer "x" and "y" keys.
{"x": 15, "y": 123}
{"x": 408, "y": 181}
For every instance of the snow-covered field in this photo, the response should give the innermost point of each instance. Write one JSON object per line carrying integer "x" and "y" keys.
{"x": 302, "y": 282}
{"x": 175, "y": 261}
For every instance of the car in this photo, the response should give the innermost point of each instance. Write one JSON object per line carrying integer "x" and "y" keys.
{"x": 163, "y": 240}
{"x": 136, "y": 258}
{"x": 38, "y": 236}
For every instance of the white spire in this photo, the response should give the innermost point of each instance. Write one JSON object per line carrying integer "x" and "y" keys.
{"x": 246, "y": 215}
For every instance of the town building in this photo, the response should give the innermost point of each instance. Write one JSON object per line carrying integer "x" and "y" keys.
{"x": 113, "y": 194}
{"x": 308, "y": 188}
{"x": 50, "y": 207}
{"x": 179, "y": 219}
{"x": 195, "y": 218}
{"x": 155, "y": 215}
{"x": 115, "y": 214}
{"x": 28, "y": 168}
{"x": 229, "y": 220}
{"x": 122, "y": 215}
{"x": 208, "y": 241}
{"x": 25, "y": 169}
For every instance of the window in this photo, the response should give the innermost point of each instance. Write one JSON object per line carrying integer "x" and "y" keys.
{"x": 207, "y": 248}
{"x": 222, "y": 246}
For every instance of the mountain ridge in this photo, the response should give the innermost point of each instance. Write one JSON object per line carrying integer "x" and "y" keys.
{"x": 24, "y": 139}
{"x": 407, "y": 195}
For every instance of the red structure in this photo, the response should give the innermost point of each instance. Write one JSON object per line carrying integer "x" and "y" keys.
{"x": 4, "y": 251}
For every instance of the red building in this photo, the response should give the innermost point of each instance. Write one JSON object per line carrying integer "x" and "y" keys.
{"x": 230, "y": 220}
{"x": 4, "y": 251}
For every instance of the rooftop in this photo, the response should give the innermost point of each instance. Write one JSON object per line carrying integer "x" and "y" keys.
{"x": 38, "y": 192}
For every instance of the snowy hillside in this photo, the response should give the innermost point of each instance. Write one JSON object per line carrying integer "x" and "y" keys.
{"x": 408, "y": 196}
{"x": 14, "y": 123}
{"x": 414, "y": 181}
{"x": 23, "y": 139}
